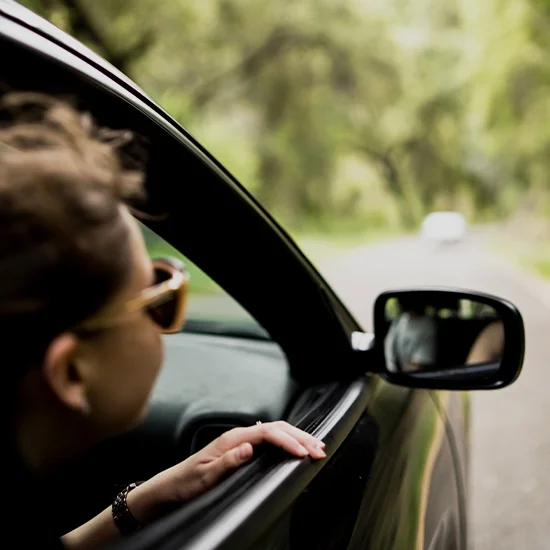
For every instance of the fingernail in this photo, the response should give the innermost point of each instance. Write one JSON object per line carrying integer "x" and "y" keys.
{"x": 302, "y": 450}
{"x": 321, "y": 444}
{"x": 244, "y": 452}
{"x": 319, "y": 450}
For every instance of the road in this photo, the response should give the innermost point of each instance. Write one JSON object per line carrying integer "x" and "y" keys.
{"x": 510, "y": 462}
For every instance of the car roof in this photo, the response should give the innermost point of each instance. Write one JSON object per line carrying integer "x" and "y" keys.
{"x": 31, "y": 20}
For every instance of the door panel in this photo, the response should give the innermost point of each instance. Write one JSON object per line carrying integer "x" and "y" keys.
{"x": 441, "y": 525}
{"x": 455, "y": 410}
{"x": 412, "y": 489}
{"x": 333, "y": 498}
{"x": 389, "y": 486}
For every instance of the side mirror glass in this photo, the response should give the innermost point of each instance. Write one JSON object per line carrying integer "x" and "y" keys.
{"x": 448, "y": 339}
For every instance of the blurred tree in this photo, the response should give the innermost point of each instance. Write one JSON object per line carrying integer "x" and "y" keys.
{"x": 445, "y": 101}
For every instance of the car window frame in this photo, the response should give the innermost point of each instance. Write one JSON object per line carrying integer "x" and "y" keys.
{"x": 241, "y": 325}
{"x": 319, "y": 332}
{"x": 325, "y": 349}
{"x": 236, "y": 512}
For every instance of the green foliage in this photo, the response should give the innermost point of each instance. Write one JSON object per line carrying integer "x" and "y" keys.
{"x": 158, "y": 248}
{"x": 542, "y": 266}
{"x": 353, "y": 113}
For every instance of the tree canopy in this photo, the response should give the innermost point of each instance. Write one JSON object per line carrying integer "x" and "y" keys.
{"x": 367, "y": 112}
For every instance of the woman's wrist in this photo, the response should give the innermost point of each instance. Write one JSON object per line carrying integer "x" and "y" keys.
{"x": 152, "y": 499}
{"x": 144, "y": 502}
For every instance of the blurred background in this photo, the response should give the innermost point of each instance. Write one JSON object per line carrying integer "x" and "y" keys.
{"x": 352, "y": 121}
{"x": 355, "y": 116}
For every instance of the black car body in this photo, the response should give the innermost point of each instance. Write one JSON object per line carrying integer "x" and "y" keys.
{"x": 396, "y": 474}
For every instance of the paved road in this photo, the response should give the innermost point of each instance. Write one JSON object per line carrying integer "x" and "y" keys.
{"x": 510, "y": 469}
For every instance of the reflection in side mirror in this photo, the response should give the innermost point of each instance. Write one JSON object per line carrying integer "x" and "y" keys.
{"x": 448, "y": 339}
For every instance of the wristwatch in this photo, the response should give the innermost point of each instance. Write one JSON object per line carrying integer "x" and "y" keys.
{"x": 122, "y": 516}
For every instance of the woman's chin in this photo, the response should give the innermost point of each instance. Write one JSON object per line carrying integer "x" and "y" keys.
{"x": 120, "y": 427}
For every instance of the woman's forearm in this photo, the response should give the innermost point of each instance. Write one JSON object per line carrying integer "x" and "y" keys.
{"x": 192, "y": 477}
{"x": 94, "y": 533}
{"x": 100, "y": 530}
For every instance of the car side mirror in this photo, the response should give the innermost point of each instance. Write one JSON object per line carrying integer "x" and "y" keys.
{"x": 447, "y": 339}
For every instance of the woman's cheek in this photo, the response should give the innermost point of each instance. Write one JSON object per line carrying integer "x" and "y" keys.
{"x": 158, "y": 352}
{"x": 152, "y": 355}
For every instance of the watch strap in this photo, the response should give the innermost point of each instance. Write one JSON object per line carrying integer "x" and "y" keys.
{"x": 123, "y": 518}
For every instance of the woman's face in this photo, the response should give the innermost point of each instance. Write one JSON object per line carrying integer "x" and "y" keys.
{"x": 123, "y": 360}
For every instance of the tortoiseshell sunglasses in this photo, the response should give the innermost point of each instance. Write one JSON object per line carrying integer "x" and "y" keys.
{"x": 165, "y": 301}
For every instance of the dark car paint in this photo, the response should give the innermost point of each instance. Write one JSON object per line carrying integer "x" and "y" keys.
{"x": 403, "y": 459}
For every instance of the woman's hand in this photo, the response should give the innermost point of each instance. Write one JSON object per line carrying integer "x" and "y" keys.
{"x": 204, "y": 469}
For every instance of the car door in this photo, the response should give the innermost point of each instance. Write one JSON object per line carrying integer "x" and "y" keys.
{"x": 385, "y": 444}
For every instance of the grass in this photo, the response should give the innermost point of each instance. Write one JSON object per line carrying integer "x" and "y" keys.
{"x": 319, "y": 247}
{"x": 534, "y": 257}
{"x": 525, "y": 240}
{"x": 540, "y": 262}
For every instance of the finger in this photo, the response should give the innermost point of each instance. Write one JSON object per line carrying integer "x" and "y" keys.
{"x": 277, "y": 435}
{"x": 310, "y": 442}
{"x": 314, "y": 446}
{"x": 230, "y": 460}
{"x": 264, "y": 433}
{"x": 279, "y": 438}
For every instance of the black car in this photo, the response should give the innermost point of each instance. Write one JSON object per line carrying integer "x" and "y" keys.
{"x": 396, "y": 472}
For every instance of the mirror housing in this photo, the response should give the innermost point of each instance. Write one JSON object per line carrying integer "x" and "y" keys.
{"x": 438, "y": 338}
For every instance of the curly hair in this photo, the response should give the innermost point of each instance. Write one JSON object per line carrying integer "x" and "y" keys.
{"x": 64, "y": 248}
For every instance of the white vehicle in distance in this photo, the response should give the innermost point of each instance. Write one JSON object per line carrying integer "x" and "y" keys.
{"x": 444, "y": 227}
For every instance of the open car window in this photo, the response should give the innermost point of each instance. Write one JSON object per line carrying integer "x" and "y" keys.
{"x": 211, "y": 310}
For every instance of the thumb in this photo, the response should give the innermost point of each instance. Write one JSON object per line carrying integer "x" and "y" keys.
{"x": 236, "y": 457}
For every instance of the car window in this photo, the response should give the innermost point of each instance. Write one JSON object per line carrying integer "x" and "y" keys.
{"x": 210, "y": 308}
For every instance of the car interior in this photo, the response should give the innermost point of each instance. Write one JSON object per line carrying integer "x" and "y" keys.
{"x": 210, "y": 382}
{"x": 455, "y": 333}
{"x": 456, "y": 338}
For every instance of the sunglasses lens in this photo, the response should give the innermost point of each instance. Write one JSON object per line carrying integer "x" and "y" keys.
{"x": 164, "y": 314}
{"x": 161, "y": 274}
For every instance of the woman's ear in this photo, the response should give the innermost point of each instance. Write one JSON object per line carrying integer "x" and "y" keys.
{"x": 63, "y": 374}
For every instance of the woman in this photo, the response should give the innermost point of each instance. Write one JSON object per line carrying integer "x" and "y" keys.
{"x": 81, "y": 322}
{"x": 410, "y": 344}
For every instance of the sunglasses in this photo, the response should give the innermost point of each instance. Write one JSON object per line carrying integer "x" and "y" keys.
{"x": 164, "y": 301}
